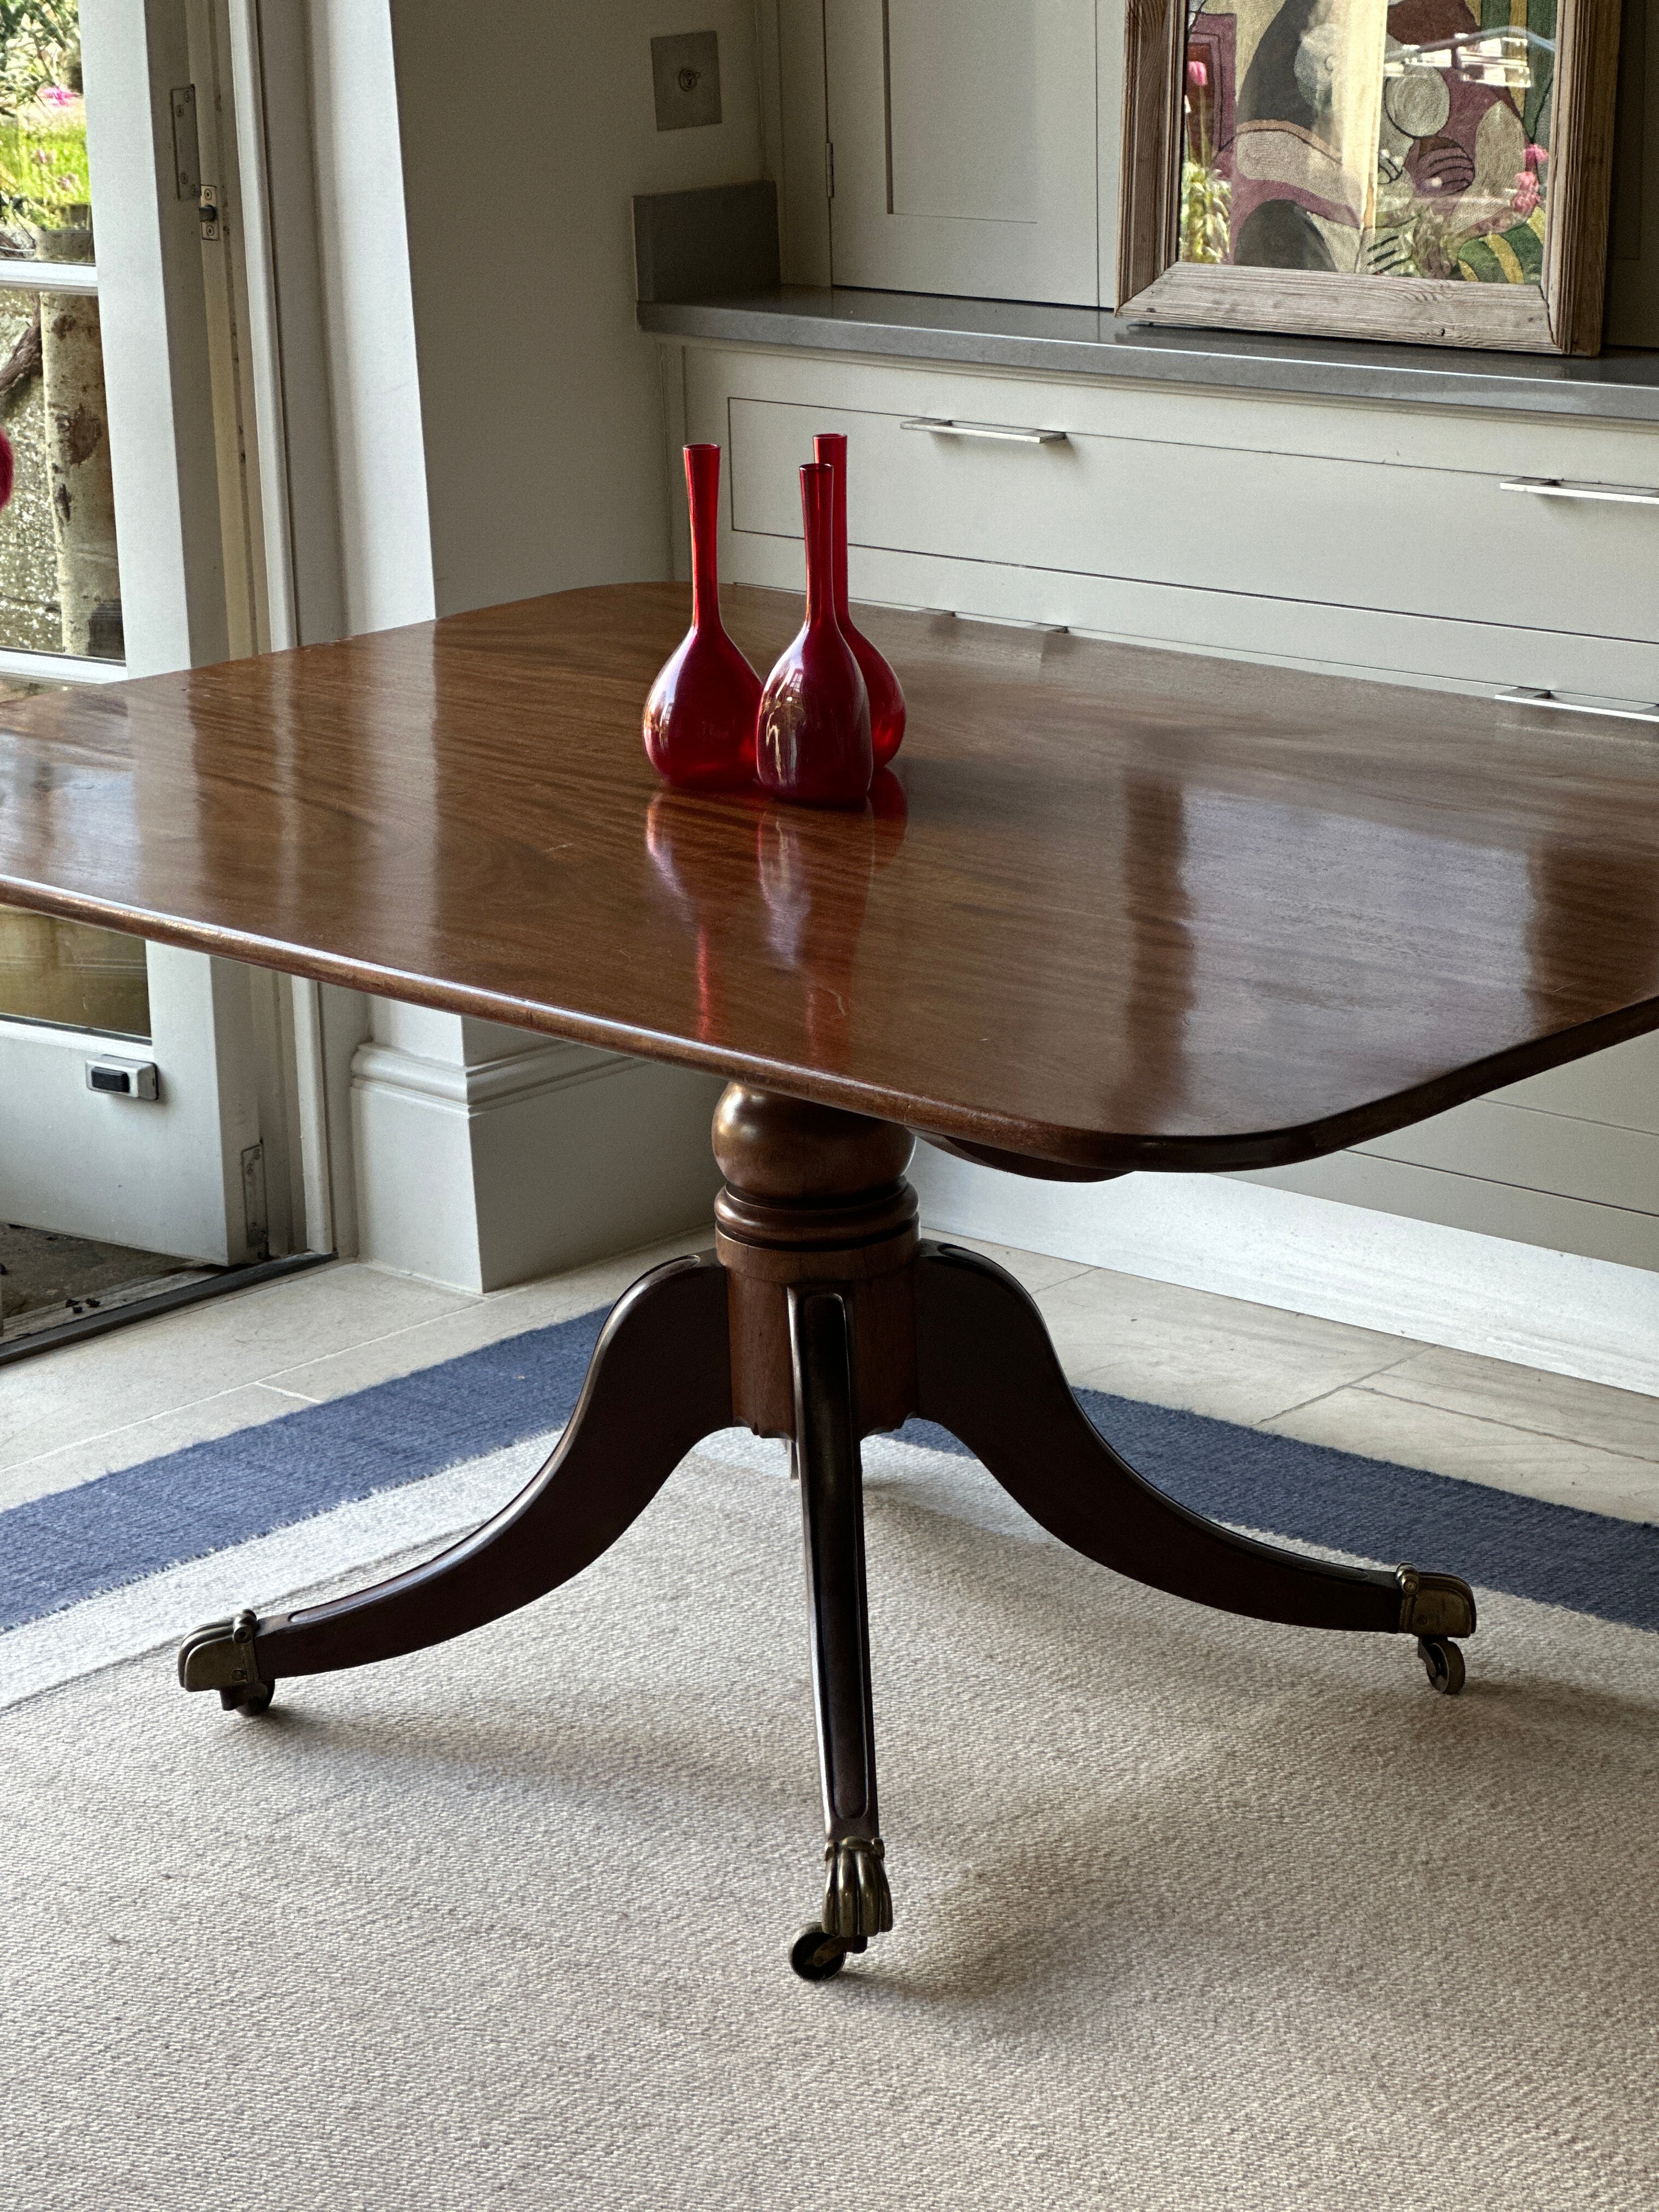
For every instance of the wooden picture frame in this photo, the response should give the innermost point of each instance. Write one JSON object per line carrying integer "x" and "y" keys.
{"x": 1561, "y": 312}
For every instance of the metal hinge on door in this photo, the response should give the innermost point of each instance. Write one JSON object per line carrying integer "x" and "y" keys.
{"x": 829, "y": 170}
{"x": 186, "y": 141}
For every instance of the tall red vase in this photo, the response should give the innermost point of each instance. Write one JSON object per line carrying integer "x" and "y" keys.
{"x": 813, "y": 744}
{"x": 699, "y": 716}
{"x": 886, "y": 700}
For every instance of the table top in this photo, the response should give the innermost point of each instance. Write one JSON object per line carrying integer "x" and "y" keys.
{"x": 1115, "y": 909}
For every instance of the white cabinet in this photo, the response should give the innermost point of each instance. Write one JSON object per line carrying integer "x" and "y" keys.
{"x": 1343, "y": 535}
{"x": 965, "y": 136}
{"x": 1243, "y": 504}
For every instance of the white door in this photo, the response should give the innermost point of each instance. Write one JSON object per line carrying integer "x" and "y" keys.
{"x": 146, "y": 1089}
{"x": 963, "y": 136}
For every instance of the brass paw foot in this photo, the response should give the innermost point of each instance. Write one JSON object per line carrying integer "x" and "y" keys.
{"x": 222, "y": 1657}
{"x": 857, "y": 1905}
{"x": 857, "y": 1902}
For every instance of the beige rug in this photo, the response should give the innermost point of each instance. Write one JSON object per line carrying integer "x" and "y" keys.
{"x": 1190, "y": 1912}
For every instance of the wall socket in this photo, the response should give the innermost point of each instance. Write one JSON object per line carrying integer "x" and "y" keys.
{"x": 685, "y": 72}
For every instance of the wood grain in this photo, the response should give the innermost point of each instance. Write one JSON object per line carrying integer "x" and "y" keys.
{"x": 657, "y": 1385}
{"x": 1582, "y": 106}
{"x": 1155, "y": 52}
{"x": 986, "y": 1371}
{"x": 1120, "y": 908}
{"x": 815, "y": 1195}
{"x": 1414, "y": 311}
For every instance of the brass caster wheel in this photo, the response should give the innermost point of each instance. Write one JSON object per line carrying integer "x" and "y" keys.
{"x": 816, "y": 1956}
{"x": 1443, "y": 1662}
{"x": 223, "y": 1656}
{"x": 251, "y": 1702}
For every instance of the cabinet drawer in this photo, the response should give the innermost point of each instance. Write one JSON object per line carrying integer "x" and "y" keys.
{"x": 1433, "y": 541}
{"x": 1556, "y": 1153}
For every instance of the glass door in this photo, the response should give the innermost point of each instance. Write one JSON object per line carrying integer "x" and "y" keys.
{"x": 145, "y": 1122}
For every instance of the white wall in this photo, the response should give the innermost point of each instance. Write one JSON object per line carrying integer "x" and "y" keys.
{"x": 487, "y": 1158}
{"x": 373, "y": 372}
{"x": 524, "y": 135}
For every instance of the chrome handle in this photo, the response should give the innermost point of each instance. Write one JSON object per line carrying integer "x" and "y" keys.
{"x": 1559, "y": 488}
{"x": 1015, "y": 622}
{"x": 1006, "y": 433}
{"x": 1518, "y": 696}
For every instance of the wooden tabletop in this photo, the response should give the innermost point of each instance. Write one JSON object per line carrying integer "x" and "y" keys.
{"x": 1116, "y": 908}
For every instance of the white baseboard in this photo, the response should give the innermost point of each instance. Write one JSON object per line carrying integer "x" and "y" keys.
{"x": 484, "y": 1174}
{"x": 1592, "y": 1318}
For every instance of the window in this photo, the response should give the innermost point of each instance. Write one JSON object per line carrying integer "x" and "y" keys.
{"x": 60, "y": 584}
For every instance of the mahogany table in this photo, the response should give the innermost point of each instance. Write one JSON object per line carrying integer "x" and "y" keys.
{"x": 1118, "y": 910}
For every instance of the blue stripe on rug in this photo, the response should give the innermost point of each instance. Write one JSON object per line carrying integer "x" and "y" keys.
{"x": 76, "y": 1544}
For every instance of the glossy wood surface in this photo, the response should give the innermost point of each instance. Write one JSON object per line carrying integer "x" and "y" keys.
{"x": 1118, "y": 908}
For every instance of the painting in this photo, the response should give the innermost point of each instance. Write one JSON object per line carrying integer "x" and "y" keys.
{"x": 1433, "y": 170}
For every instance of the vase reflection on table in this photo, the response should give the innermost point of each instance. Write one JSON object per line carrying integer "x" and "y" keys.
{"x": 816, "y": 881}
{"x": 694, "y": 871}
{"x": 801, "y": 876}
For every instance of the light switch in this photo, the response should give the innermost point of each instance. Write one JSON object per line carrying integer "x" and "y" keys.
{"x": 685, "y": 71}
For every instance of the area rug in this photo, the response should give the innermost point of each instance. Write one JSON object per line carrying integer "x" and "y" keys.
{"x": 1191, "y": 1912}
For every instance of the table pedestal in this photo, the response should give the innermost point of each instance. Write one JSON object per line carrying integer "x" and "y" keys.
{"x": 821, "y": 1316}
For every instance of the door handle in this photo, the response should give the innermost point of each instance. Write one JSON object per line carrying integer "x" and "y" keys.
{"x": 1006, "y": 433}
{"x": 1518, "y": 695}
{"x": 1560, "y": 488}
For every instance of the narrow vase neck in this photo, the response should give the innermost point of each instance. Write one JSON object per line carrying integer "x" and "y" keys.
{"x": 830, "y": 446}
{"x": 817, "y": 484}
{"x": 702, "y": 487}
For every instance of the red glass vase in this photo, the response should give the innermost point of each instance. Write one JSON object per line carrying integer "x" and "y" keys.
{"x": 886, "y": 700}
{"x": 699, "y": 716}
{"x": 814, "y": 742}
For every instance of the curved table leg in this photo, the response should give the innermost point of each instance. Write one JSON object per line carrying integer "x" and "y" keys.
{"x": 986, "y": 1371}
{"x": 659, "y": 1382}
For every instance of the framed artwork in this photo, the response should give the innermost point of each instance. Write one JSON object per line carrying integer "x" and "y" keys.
{"x": 1430, "y": 171}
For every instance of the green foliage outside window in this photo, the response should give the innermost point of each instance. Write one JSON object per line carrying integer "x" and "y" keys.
{"x": 1207, "y": 213}
{"x": 43, "y": 128}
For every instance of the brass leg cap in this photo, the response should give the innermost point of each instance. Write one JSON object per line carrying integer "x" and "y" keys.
{"x": 1434, "y": 1605}
{"x": 857, "y": 1901}
{"x": 223, "y": 1656}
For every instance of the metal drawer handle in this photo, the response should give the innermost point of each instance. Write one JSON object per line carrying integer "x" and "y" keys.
{"x": 1518, "y": 696}
{"x": 1559, "y": 488}
{"x": 1015, "y": 622}
{"x": 1004, "y": 434}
